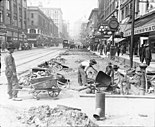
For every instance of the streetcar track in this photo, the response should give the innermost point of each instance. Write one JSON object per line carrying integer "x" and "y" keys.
{"x": 29, "y": 54}
{"x": 34, "y": 59}
{"x": 19, "y": 65}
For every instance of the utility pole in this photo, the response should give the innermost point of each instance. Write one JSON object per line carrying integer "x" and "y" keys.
{"x": 132, "y": 33}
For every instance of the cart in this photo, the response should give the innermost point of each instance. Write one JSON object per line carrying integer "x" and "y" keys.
{"x": 45, "y": 84}
{"x": 40, "y": 84}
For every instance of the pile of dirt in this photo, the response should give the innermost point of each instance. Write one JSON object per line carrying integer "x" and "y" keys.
{"x": 44, "y": 116}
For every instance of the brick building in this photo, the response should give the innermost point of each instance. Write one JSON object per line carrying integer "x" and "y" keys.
{"x": 41, "y": 29}
{"x": 13, "y": 21}
{"x": 57, "y": 16}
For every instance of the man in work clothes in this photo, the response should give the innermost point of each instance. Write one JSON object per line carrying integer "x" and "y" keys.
{"x": 82, "y": 71}
{"x": 11, "y": 75}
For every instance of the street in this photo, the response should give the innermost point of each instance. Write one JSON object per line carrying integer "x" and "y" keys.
{"x": 118, "y": 111}
{"x": 25, "y": 60}
{"x": 77, "y": 63}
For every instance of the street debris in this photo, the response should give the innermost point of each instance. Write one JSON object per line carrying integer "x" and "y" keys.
{"x": 44, "y": 116}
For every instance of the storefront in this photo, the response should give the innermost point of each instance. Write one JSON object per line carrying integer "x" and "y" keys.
{"x": 144, "y": 28}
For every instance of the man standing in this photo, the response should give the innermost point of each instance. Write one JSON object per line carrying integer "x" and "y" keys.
{"x": 82, "y": 71}
{"x": 148, "y": 55}
{"x": 142, "y": 53}
{"x": 10, "y": 72}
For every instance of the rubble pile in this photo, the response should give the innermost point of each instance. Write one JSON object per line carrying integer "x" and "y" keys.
{"x": 44, "y": 116}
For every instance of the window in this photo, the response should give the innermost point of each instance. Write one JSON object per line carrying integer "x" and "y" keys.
{"x": 24, "y": 13}
{"x": 8, "y": 4}
{"x": 15, "y": 8}
{"x": 32, "y": 15}
{"x": 1, "y": 16}
{"x": 20, "y": 11}
{"x": 32, "y": 22}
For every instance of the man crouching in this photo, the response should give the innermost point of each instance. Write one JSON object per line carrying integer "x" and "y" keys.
{"x": 82, "y": 71}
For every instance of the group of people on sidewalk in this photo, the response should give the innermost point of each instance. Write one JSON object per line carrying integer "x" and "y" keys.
{"x": 105, "y": 48}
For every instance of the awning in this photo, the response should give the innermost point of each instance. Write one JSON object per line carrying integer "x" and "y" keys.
{"x": 116, "y": 40}
{"x": 144, "y": 25}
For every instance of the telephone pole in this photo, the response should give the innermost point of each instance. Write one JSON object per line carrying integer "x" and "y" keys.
{"x": 132, "y": 33}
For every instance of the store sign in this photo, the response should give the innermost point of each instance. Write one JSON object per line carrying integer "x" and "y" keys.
{"x": 139, "y": 30}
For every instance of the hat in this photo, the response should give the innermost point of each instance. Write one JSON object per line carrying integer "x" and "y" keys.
{"x": 93, "y": 61}
{"x": 109, "y": 63}
{"x": 10, "y": 46}
{"x": 115, "y": 67}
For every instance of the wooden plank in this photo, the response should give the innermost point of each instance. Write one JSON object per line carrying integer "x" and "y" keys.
{"x": 120, "y": 96}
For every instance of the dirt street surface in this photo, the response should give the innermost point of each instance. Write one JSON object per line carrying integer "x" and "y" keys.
{"x": 118, "y": 111}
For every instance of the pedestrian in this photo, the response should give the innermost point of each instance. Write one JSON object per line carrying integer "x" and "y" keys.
{"x": 142, "y": 53}
{"x": 118, "y": 50}
{"x": 122, "y": 49}
{"x": 10, "y": 72}
{"x": 148, "y": 55}
{"x": 82, "y": 71}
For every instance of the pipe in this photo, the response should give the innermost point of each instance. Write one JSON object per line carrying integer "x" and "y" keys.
{"x": 100, "y": 106}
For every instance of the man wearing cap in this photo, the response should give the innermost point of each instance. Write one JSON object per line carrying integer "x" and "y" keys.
{"x": 10, "y": 72}
{"x": 82, "y": 71}
{"x": 117, "y": 79}
{"x": 109, "y": 69}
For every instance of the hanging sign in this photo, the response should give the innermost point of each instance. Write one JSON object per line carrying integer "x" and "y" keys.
{"x": 139, "y": 30}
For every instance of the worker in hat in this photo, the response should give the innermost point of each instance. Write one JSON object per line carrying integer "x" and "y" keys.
{"x": 83, "y": 71}
{"x": 109, "y": 69}
{"x": 117, "y": 80}
{"x": 10, "y": 72}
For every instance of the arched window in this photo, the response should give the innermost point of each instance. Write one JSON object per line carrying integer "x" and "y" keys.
{"x": 32, "y": 31}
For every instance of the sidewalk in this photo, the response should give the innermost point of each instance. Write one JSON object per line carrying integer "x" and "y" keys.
{"x": 125, "y": 59}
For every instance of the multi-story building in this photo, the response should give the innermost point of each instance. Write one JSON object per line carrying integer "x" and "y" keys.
{"x": 41, "y": 29}
{"x": 144, "y": 25}
{"x": 65, "y": 30}
{"x": 13, "y": 21}
{"x": 93, "y": 19}
{"x": 144, "y": 19}
{"x": 56, "y": 15}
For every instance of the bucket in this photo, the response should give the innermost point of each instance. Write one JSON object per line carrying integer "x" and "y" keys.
{"x": 102, "y": 79}
{"x": 100, "y": 106}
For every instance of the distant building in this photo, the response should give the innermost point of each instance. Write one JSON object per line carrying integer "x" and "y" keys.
{"x": 13, "y": 21}
{"x": 65, "y": 30}
{"x": 41, "y": 29}
{"x": 57, "y": 16}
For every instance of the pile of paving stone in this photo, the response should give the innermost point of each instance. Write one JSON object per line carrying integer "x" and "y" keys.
{"x": 44, "y": 116}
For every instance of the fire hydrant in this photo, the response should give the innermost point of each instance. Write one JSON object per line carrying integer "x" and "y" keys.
{"x": 143, "y": 80}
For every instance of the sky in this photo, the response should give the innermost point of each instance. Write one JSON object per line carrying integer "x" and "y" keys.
{"x": 73, "y": 10}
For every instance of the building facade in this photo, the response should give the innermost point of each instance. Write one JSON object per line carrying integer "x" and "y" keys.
{"x": 122, "y": 10}
{"x": 57, "y": 16}
{"x": 41, "y": 29}
{"x": 13, "y": 22}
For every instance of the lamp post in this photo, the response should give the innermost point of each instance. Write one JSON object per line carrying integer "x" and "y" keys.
{"x": 132, "y": 34}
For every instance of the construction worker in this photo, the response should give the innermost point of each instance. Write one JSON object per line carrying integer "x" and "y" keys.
{"x": 10, "y": 72}
{"x": 82, "y": 71}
